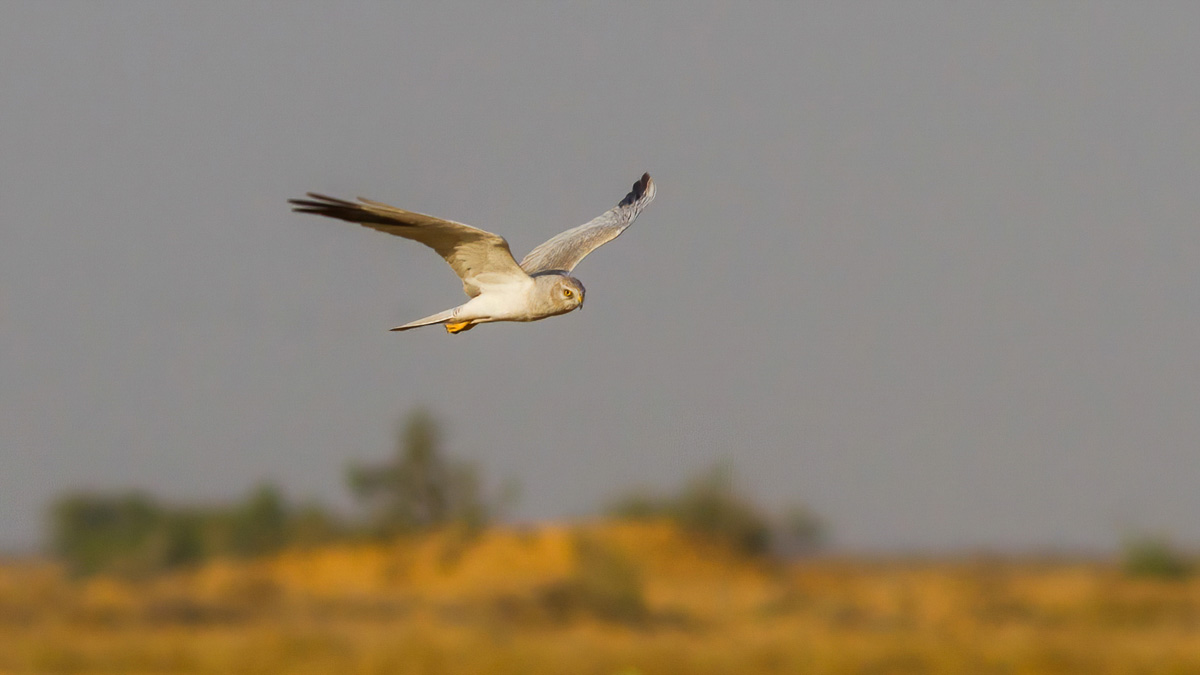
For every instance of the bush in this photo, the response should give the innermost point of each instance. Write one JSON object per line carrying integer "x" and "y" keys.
{"x": 1154, "y": 557}
{"x": 420, "y": 488}
{"x": 96, "y": 532}
{"x": 604, "y": 585}
{"x": 710, "y": 505}
{"x": 133, "y": 535}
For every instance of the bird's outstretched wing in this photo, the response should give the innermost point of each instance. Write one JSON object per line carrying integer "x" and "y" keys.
{"x": 478, "y": 257}
{"x": 564, "y": 251}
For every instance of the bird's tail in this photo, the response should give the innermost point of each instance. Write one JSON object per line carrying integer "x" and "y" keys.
{"x": 440, "y": 317}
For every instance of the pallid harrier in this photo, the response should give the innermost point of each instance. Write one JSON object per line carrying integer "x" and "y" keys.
{"x": 499, "y": 289}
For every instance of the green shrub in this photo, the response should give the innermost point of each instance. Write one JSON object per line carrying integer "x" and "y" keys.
{"x": 97, "y": 532}
{"x": 420, "y": 487}
{"x": 133, "y": 535}
{"x": 1153, "y": 557}
{"x": 604, "y": 585}
{"x": 710, "y": 505}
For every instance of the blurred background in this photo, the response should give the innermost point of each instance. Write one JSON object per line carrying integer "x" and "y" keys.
{"x": 920, "y": 278}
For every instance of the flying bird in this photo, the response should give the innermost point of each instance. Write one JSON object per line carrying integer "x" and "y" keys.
{"x": 499, "y": 289}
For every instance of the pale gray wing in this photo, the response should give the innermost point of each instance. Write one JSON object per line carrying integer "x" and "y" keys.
{"x": 565, "y": 250}
{"x": 479, "y": 258}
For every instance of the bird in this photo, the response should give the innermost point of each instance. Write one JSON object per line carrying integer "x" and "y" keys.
{"x": 497, "y": 288}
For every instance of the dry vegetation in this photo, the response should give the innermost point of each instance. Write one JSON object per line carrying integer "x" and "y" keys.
{"x": 602, "y": 598}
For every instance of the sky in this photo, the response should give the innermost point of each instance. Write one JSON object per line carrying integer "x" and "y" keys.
{"x": 929, "y": 268}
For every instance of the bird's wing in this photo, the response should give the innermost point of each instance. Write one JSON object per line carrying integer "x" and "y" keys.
{"x": 564, "y": 251}
{"x": 479, "y": 258}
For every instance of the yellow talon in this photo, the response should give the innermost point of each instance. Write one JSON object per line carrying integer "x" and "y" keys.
{"x": 453, "y": 328}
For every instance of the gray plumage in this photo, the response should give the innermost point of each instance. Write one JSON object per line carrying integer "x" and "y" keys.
{"x": 499, "y": 289}
{"x": 564, "y": 251}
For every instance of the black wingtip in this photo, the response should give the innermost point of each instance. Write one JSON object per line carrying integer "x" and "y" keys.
{"x": 639, "y": 189}
{"x": 319, "y": 204}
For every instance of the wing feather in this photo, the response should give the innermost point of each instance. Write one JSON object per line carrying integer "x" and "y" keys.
{"x": 564, "y": 251}
{"x": 478, "y": 257}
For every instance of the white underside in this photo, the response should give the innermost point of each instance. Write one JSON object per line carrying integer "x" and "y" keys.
{"x": 508, "y": 302}
{"x": 496, "y": 302}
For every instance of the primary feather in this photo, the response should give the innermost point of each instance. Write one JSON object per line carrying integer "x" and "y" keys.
{"x": 478, "y": 257}
{"x": 564, "y": 251}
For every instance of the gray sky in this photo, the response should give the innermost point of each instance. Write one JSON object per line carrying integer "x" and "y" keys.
{"x": 931, "y": 268}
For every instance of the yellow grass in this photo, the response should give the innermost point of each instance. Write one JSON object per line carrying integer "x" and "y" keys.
{"x": 541, "y": 601}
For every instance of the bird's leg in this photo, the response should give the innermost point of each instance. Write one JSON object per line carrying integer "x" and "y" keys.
{"x": 453, "y": 328}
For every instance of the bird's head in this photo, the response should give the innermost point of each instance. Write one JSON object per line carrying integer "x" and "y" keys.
{"x": 562, "y": 291}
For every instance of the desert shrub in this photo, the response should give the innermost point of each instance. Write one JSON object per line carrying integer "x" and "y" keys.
{"x": 709, "y": 504}
{"x": 420, "y": 487}
{"x": 94, "y": 532}
{"x": 260, "y": 525}
{"x": 604, "y": 585}
{"x": 1154, "y": 557}
{"x": 134, "y": 535}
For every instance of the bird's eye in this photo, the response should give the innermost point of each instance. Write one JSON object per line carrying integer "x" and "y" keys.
{"x": 567, "y": 293}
